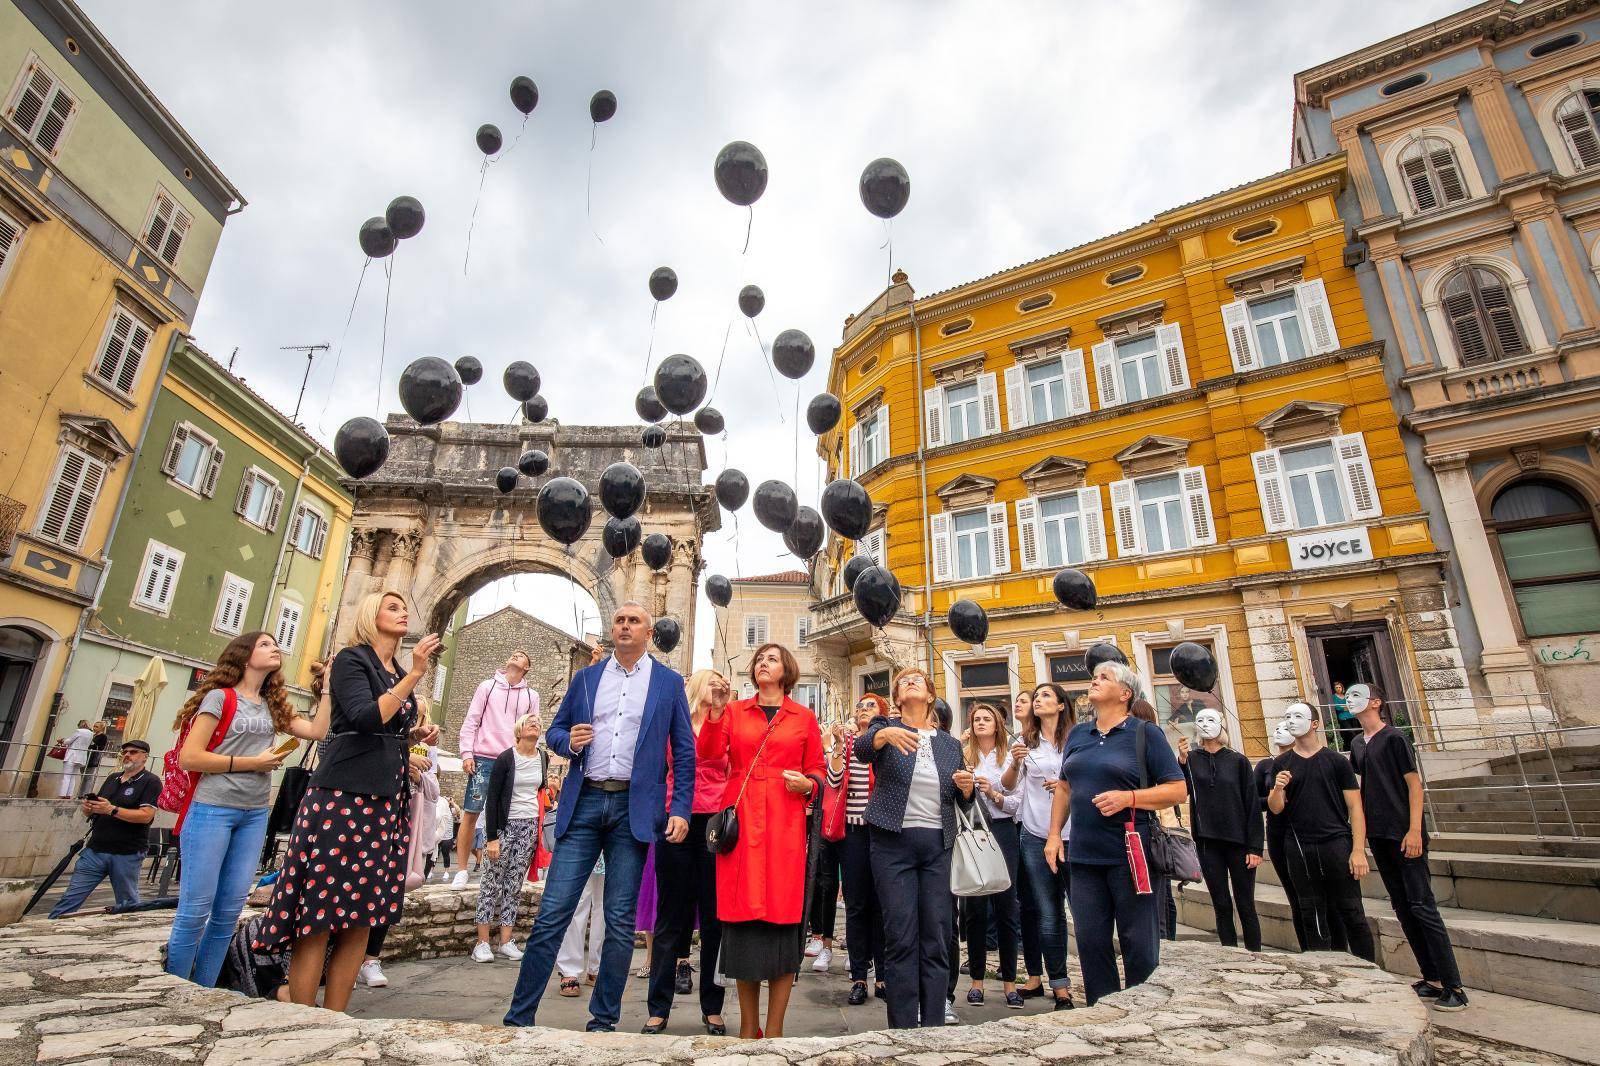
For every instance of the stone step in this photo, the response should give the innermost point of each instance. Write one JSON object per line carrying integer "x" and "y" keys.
{"x": 1515, "y": 955}
{"x": 1574, "y": 757}
{"x": 1510, "y": 826}
{"x": 1546, "y": 1028}
{"x": 1507, "y": 844}
{"x": 1583, "y": 807}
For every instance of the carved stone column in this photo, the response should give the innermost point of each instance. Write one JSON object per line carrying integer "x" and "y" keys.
{"x": 403, "y": 564}
{"x": 357, "y": 580}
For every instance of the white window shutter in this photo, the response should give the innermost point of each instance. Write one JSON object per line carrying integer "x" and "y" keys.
{"x": 1312, "y": 296}
{"x": 116, "y": 347}
{"x": 1169, "y": 338}
{"x": 241, "y": 504}
{"x": 1197, "y": 502}
{"x": 1241, "y": 344}
{"x": 208, "y": 487}
{"x": 939, "y": 534}
{"x": 1105, "y": 374}
{"x": 1028, "y": 545}
{"x": 1074, "y": 382}
{"x": 1270, "y": 486}
{"x": 1092, "y": 522}
{"x": 1360, "y": 488}
{"x": 10, "y": 236}
{"x": 882, "y": 431}
{"x": 855, "y": 449}
{"x": 180, "y": 437}
{"x": 274, "y": 507}
{"x": 54, "y": 126}
{"x": 319, "y": 539}
{"x": 1016, "y": 397}
{"x": 989, "y": 404}
{"x": 37, "y": 87}
{"x": 999, "y": 540}
{"x": 933, "y": 410}
{"x": 1125, "y": 516}
{"x": 69, "y": 474}
{"x": 94, "y": 473}
{"x": 871, "y": 546}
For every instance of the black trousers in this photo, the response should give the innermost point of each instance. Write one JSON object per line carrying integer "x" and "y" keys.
{"x": 1329, "y": 897}
{"x": 1028, "y": 918}
{"x": 1411, "y": 895}
{"x": 1103, "y": 897}
{"x": 1223, "y": 865}
{"x": 863, "y": 918}
{"x": 1278, "y": 854}
{"x": 912, "y": 869}
{"x": 976, "y": 911}
{"x": 825, "y": 897}
{"x": 686, "y": 881}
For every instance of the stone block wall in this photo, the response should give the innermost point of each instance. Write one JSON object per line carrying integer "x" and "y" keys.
{"x": 37, "y": 833}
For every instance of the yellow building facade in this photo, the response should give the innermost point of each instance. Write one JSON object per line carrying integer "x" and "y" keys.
{"x": 1193, "y": 412}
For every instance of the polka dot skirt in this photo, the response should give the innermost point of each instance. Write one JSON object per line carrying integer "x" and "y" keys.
{"x": 346, "y": 867}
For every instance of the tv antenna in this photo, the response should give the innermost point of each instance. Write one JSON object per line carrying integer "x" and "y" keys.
{"x": 311, "y": 351}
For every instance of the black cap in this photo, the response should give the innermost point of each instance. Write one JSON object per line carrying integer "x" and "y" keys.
{"x": 141, "y": 745}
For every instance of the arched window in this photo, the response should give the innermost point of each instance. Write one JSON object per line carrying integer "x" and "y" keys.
{"x": 1551, "y": 555}
{"x": 1576, "y": 118}
{"x": 1481, "y": 316}
{"x": 1432, "y": 173}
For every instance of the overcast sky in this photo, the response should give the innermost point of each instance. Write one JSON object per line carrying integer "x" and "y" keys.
{"x": 1027, "y": 127}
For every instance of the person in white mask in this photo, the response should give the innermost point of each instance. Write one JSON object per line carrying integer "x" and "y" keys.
{"x": 1281, "y": 740}
{"x": 1224, "y": 813}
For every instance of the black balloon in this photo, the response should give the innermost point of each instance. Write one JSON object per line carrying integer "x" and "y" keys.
{"x": 708, "y": 420}
{"x": 733, "y": 488}
{"x": 823, "y": 412}
{"x": 805, "y": 533}
{"x": 793, "y": 353}
{"x": 469, "y": 370}
{"x": 663, "y": 283}
{"x": 885, "y": 187}
{"x": 505, "y": 479}
{"x": 564, "y": 509}
{"x": 536, "y": 410}
{"x": 968, "y": 621}
{"x": 377, "y": 239}
{"x": 533, "y": 462}
{"x": 361, "y": 446}
{"x": 1194, "y": 666}
{"x": 775, "y": 506}
{"x": 430, "y": 390}
{"x": 602, "y": 105}
{"x": 853, "y": 569}
{"x": 648, "y": 405}
{"x": 524, "y": 93}
{"x": 666, "y": 633}
{"x": 1101, "y": 654}
{"x": 681, "y": 383}
{"x": 521, "y": 380}
{"x": 653, "y": 437}
{"x": 1074, "y": 589}
{"x": 620, "y": 536}
{"x": 621, "y": 489}
{"x": 719, "y": 590}
{"x": 405, "y": 216}
{"x": 751, "y": 301}
{"x": 656, "y": 551}
{"x": 741, "y": 173}
{"x": 847, "y": 508}
{"x": 877, "y": 595}
{"x": 489, "y": 139}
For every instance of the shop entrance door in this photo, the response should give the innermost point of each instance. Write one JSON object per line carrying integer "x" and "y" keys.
{"x": 1349, "y": 654}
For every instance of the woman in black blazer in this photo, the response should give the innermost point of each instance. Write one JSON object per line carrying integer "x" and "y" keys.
{"x": 918, "y": 776}
{"x": 345, "y": 871}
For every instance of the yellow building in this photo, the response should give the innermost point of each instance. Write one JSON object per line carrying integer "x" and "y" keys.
{"x": 1194, "y": 413}
{"x": 109, "y": 217}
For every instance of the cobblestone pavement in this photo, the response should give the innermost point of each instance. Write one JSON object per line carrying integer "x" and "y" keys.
{"x": 1458, "y": 1051}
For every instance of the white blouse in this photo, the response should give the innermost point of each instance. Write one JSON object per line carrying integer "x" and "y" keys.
{"x": 990, "y": 770}
{"x": 1042, "y": 764}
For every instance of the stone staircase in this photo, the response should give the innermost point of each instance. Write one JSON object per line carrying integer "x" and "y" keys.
{"x": 1563, "y": 794}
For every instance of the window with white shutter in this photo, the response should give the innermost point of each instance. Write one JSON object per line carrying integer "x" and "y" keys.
{"x": 1316, "y": 316}
{"x": 1106, "y": 375}
{"x": 933, "y": 413}
{"x": 310, "y": 531}
{"x": 1093, "y": 522}
{"x": 939, "y": 536}
{"x": 10, "y": 243}
{"x": 1029, "y": 533}
{"x": 755, "y": 630}
{"x": 1432, "y": 174}
{"x": 1316, "y": 496}
{"x": 158, "y": 577}
{"x": 988, "y": 404}
{"x": 123, "y": 350}
{"x": 1361, "y": 489}
{"x": 962, "y": 412}
{"x": 70, "y": 501}
{"x": 1163, "y": 512}
{"x": 1016, "y": 397}
{"x": 1576, "y": 119}
{"x": 1141, "y": 367}
{"x": 802, "y": 629}
{"x": 232, "y": 604}
{"x": 972, "y": 549}
{"x": 260, "y": 499}
{"x": 1125, "y": 518}
{"x": 1070, "y": 530}
{"x": 439, "y": 675}
{"x": 1272, "y": 489}
{"x": 1174, "y": 364}
{"x": 999, "y": 540}
{"x": 856, "y": 469}
{"x": 871, "y": 546}
{"x": 1048, "y": 389}
{"x": 1236, "y": 323}
{"x": 289, "y": 628}
{"x": 42, "y": 108}
{"x": 192, "y": 459}
{"x": 1197, "y": 503}
{"x": 869, "y": 442}
{"x": 167, "y": 226}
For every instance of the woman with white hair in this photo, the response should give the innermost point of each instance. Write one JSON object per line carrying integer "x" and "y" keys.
{"x": 514, "y": 812}
{"x": 1225, "y": 815}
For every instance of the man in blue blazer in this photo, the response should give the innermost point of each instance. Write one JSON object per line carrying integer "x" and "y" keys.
{"x": 615, "y": 724}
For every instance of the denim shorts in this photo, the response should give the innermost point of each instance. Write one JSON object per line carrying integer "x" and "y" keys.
{"x": 478, "y": 785}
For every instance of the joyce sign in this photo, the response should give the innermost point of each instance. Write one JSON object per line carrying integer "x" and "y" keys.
{"x": 1329, "y": 547}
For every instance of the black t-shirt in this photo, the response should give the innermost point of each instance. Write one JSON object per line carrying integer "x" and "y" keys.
{"x": 1314, "y": 804}
{"x": 1383, "y": 760}
{"x": 111, "y": 835}
{"x": 1264, "y": 772}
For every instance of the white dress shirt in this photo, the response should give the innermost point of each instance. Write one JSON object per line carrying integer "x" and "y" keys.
{"x": 989, "y": 769}
{"x": 618, "y": 712}
{"x": 1042, "y": 764}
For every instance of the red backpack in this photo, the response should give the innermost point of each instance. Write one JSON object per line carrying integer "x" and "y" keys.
{"x": 177, "y": 784}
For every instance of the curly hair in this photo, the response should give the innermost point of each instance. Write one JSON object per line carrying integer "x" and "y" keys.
{"x": 229, "y": 671}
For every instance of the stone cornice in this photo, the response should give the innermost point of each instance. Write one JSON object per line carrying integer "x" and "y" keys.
{"x": 1295, "y": 192}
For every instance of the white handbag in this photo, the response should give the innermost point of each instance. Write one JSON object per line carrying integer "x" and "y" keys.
{"x": 977, "y": 866}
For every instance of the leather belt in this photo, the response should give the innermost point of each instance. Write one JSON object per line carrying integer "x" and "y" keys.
{"x": 609, "y": 785}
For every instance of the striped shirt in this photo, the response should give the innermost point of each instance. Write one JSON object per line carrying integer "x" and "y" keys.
{"x": 855, "y": 802}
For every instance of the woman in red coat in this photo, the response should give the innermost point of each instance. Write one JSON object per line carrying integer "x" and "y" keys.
{"x": 761, "y": 882}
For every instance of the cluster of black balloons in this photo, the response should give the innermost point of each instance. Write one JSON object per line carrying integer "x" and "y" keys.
{"x": 381, "y": 234}
{"x": 970, "y": 622}
{"x": 524, "y": 97}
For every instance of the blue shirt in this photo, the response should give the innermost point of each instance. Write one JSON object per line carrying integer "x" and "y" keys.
{"x": 1093, "y": 764}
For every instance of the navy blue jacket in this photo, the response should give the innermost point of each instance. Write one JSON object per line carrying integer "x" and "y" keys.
{"x": 892, "y": 770}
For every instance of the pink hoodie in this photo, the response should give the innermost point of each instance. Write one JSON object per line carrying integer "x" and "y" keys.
{"x": 491, "y": 723}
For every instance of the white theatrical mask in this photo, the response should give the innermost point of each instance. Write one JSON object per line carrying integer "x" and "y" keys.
{"x": 1297, "y": 719}
{"x": 1208, "y": 724}
{"x": 1281, "y": 737}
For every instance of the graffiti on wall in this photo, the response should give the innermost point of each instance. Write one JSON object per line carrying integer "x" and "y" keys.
{"x": 1570, "y": 650}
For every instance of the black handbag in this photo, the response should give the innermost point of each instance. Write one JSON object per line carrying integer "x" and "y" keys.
{"x": 1172, "y": 851}
{"x": 722, "y": 828}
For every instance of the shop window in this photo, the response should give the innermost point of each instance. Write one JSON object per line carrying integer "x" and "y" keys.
{"x": 988, "y": 682}
{"x": 1071, "y": 672}
{"x": 1176, "y": 704}
{"x": 875, "y": 682}
{"x": 1551, "y": 555}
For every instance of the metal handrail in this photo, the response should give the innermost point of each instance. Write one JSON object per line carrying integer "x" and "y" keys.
{"x": 1533, "y": 742}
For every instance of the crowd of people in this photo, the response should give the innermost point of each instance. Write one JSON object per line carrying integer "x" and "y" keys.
{"x": 683, "y": 809}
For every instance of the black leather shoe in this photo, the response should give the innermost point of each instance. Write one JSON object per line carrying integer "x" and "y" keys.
{"x": 654, "y": 1028}
{"x": 1031, "y": 993}
{"x": 1064, "y": 1002}
{"x": 683, "y": 982}
{"x": 858, "y": 994}
{"x": 713, "y": 1028}
{"x": 881, "y": 992}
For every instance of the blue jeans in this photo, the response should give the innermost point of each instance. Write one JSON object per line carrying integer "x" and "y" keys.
{"x": 1101, "y": 896}
{"x": 221, "y": 847}
{"x": 1048, "y": 890}
{"x": 599, "y": 826}
{"x": 94, "y": 867}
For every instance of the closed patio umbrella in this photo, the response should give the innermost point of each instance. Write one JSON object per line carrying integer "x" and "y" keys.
{"x": 145, "y": 692}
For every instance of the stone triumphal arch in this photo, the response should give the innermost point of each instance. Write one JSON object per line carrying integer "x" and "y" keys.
{"x": 432, "y": 524}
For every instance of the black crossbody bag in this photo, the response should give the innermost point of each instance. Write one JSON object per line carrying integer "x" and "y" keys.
{"x": 722, "y": 828}
{"x": 1172, "y": 851}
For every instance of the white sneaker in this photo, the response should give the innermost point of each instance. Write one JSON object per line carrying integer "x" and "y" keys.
{"x": 824, "y": 960}
{"x": 460, "y": 880}
{"x": 813, "y": 946}
{"x": 482, "y": 952}
{"x": 950, "y": 1013}
{"x": 510, "y": 950}
{"x": 371, "y": 975}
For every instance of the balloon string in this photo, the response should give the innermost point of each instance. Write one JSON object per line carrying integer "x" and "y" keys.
{"x": 776, "y": 395}
{"x": 796, "y": 481}
{"x": 588, "y": 186}
{"x": 718, "y": 378}
{"x": 483, "y": 176}
{"x": 888, "y": 242}
{"x": 650, "y": 349}
{"x": 514, "y": 144}
{"x": 339, "y": 351}
{"x": 383, "y": 345}
{"x": 750, "y": 222}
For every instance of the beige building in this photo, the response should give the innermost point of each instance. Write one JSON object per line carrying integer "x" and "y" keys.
{"x": 772, "y": 608}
